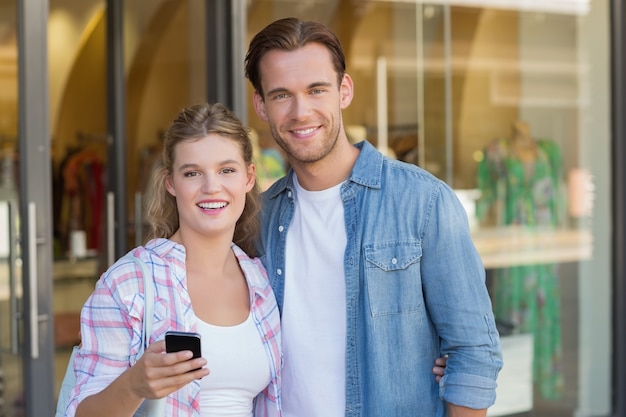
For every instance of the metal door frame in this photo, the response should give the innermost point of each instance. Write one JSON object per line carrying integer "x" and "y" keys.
{"x": 35, "y": 197}
{"x": 618, "y": 171}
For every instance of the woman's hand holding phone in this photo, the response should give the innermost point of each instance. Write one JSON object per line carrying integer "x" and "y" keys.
{"x": 156, "y": 374}
{"x": 179, "y": 341}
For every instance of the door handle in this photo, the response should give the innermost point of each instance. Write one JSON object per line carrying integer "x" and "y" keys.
{"x": 32, "y": 279}
{"x": 110, "y": 228}
{"x": 138, "y": 218}
{"x": 13, "y": 284}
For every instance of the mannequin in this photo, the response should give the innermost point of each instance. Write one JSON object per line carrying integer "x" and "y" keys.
{"x": 519, "y": 180}
{"x": 523, "y": 146}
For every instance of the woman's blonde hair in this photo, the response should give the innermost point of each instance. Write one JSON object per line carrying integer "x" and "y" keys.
{"x": 193, "y": 123}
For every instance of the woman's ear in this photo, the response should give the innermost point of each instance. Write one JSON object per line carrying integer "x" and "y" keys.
{"x": 169, "y": 186}
{"x": 251, "y": 177}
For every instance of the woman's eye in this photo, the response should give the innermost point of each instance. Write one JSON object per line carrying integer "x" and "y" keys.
{"x": 190, "y": 174}
{"x": 228, "y": 170}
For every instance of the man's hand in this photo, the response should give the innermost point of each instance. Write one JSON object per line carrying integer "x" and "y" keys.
{"x": 440, "y": 367}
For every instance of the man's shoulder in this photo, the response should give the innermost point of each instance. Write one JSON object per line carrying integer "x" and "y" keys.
{"x": 408, "y": 173}
{"x": 378, "y": 170}
{"x": 276, "y": 188}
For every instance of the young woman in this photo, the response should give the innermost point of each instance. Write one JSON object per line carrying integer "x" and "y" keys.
{"x": 203, "y": 217}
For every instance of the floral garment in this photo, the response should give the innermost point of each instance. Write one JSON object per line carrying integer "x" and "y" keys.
{"x": 527, "y": 297}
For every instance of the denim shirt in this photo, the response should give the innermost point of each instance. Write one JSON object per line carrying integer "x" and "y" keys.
{"x": 415, "y": 290}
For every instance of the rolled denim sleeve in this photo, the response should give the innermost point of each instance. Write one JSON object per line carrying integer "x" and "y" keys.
{"x": 468, "y": 390}
{"x": 458, "y": 302}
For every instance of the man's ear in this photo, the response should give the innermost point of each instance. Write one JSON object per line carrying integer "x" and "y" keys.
{"x": 259, "y": 106}
{"x": 346, "y": 91}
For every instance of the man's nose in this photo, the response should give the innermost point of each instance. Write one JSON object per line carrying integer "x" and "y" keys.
{"x": 301, "y": 107}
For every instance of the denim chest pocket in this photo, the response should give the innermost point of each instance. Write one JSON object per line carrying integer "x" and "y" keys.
{"x": 393, "y": 280}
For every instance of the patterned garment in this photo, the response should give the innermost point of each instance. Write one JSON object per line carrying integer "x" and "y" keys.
{"x": 111, "y": 324}
{"x": 527, "y": 297}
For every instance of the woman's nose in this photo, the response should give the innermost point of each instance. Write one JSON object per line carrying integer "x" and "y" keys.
{"x": 211, "y": 184}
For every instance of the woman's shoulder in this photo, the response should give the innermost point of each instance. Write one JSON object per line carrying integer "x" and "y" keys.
{"x": 253, "y": 268}
{"x": 150, "y": 258}
{"x": 243, "y": 257}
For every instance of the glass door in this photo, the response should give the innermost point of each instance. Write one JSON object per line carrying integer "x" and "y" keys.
{"x": 93, "y": 82}
{"x": 119, "y": 73}
{"x": 25, "y": 237}
{"x": 11, "y": 294}
{"x": 83, "y": 197}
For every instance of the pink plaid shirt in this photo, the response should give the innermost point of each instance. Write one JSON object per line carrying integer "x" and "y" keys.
{"x": 111, "y": 324}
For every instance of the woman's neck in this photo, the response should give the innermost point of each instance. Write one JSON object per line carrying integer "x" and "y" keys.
{"x": 206, "y": 254}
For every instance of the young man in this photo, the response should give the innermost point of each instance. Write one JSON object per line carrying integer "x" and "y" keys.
{"x": 370, "y": 258}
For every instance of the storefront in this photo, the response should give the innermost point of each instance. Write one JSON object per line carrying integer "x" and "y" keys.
{"x": 518, "y": 105}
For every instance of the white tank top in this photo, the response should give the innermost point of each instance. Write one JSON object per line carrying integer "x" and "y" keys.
{"x": 239, "y": 368}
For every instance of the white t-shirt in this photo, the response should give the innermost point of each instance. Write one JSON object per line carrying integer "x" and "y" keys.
{"x": 314, "y": 311}
{"x": 239, "y": 368}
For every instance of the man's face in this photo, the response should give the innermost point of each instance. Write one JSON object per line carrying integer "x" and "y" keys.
{"x": 303, "y": 102}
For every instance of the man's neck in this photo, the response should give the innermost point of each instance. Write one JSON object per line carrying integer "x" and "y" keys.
{"x": 332, "y": 170}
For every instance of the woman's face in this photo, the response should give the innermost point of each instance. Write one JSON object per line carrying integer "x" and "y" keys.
{"x": 209, "y": 180}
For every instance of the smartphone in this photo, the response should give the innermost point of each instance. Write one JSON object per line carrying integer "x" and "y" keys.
{"x": 177, "y": 341}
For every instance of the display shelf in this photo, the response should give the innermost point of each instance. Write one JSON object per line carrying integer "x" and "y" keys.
{"x": 515, "y": 245}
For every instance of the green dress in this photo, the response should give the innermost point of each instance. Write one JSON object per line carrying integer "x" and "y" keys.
{"x": 527, "y": 296}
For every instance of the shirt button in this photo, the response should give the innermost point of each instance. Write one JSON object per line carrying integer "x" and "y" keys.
{"x": 289, "y": 194}
{"x": 394, "y": 261}
{"x": 279, "y": 271}
{"x": 281, "y": 228}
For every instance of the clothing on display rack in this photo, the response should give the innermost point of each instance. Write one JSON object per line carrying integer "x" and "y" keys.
{"x": 520, "y": 179}
{"x": 81, "y": 180}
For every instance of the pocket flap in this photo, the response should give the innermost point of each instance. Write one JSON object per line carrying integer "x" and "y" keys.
{"x": 392, "y": 255}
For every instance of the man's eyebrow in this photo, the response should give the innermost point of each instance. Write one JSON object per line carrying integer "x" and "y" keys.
{"x": 277, "y": 90}
{"x": 310, "y": 86}
{"x": 320, "y": 84}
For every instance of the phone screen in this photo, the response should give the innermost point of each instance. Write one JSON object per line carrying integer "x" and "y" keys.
{"x": 177, "y": 341}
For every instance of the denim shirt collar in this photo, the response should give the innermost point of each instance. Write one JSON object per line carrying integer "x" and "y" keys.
{"x": 367, "y": 171}
{"x": 368, "y": 168}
